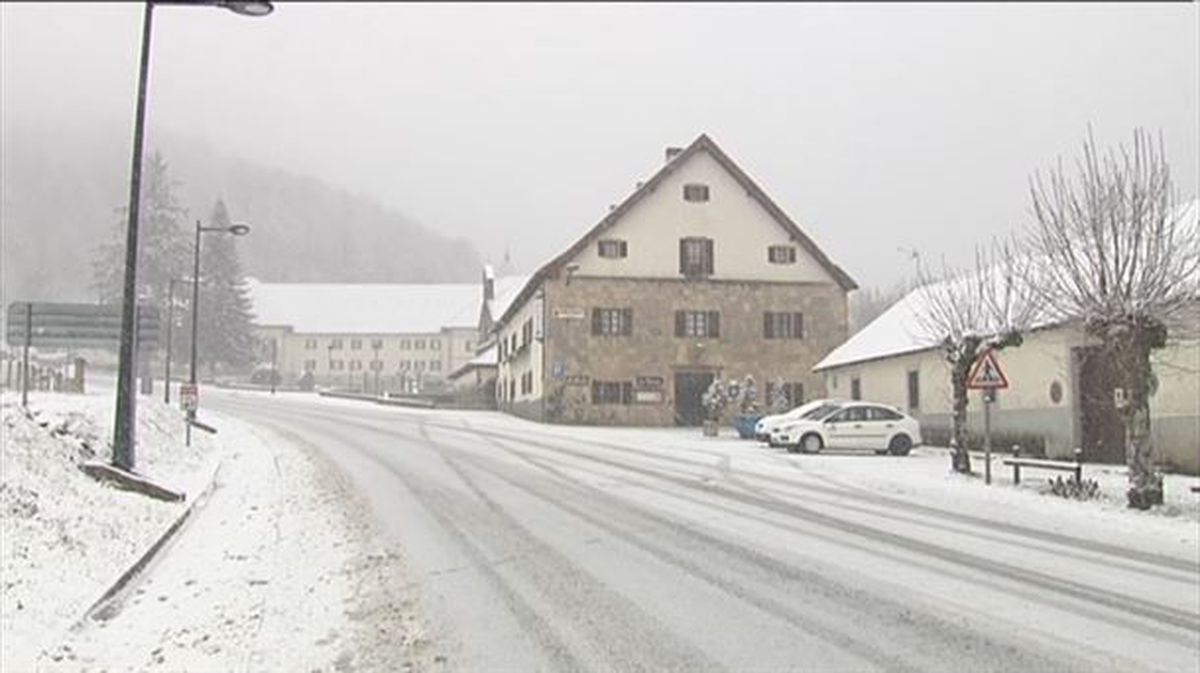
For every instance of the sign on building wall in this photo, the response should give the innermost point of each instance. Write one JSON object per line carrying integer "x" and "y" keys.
{"x": 648, "y": 396}
{"x": 569, "y": 313}
{"x": 648, "y": 382}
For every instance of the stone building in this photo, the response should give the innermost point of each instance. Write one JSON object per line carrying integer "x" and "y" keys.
{"x": 697, "y": 274}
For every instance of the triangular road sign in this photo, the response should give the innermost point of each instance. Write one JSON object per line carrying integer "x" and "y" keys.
{"x": 987, "y": 373}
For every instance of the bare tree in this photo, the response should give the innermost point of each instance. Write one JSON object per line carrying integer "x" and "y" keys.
{"x": 1118, "y": 255}
{"x": 969, "y": 312}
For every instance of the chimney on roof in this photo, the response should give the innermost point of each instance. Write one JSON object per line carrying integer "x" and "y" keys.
{"x": 673, "y": 152}
{"x": 489, "y": 283}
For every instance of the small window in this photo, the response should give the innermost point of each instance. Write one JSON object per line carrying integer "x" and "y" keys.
{"x": 335, "y": 344}
{"x": 405, "y": 344}
{"x": 696, "y": 257}
{"x": 419, "y": 365}
{"x": 914, "y": 391}
{"x": 612, "y": 321}
{"x": 611, "y": 247}
{"x": 435, "y": 344}
{"x": 310, "y": 344}
{"x": 781, "y": 254}
{"x": 405, "y": 365}
{"x": 355, "y": 344}
{"x": 700, "y": 324}
{"x": 855, "y": 389}
{"x": 355, "y": 365}
{"x": 419, "y": 344}
{"x": 376, "y": 344}
{"x": 337, "y": 364}
{"x": 695, "y": 192}
{"x": 376, "y": 365}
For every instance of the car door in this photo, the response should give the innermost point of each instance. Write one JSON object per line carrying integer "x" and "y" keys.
{"x": 878, "y": 427}
{"x": 844, "y": 429}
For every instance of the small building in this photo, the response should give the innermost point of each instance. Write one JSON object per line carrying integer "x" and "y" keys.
{"x": 1060, "y": 393}
{"x": 474, "y": 382}
{"x": 697, "y": 274}
{"x": 400, "y": 338}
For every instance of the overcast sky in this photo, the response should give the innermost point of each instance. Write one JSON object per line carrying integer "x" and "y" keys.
{"x": 875, "y": 126}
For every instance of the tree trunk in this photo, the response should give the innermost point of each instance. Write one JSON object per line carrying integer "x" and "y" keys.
{"x": 962, "y": 358}
{"x": 1133, "y": 345}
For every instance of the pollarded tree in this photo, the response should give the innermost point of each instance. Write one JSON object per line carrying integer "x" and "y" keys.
{"x": 1121, "y": 258}
{"x": 226, "y": 336}
{"x": 969, "y": 312}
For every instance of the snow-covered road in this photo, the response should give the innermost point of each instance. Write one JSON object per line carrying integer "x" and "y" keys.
{"x": 552, "y": 548}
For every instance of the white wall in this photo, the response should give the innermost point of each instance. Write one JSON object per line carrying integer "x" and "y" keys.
{"x": 741, "y": 228}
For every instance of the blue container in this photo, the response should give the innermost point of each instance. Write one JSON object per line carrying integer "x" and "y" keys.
{"x": 744, "y": 424}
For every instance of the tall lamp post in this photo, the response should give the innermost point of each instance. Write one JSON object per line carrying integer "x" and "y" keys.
{"x": 235, "y": 230}
{"x": 170, "y": 328}
{"x": 124, "y": 423}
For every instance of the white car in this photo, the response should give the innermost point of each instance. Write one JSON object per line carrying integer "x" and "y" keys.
{"x": 850, "y": 425}
{"x": 768, "y": 424}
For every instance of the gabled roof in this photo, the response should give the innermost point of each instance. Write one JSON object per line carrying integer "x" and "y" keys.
{"x": 364, "y": 308}
{"x": 701, "y": 144}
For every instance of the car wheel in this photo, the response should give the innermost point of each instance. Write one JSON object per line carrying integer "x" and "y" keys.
{"x": 812, "y": 443}
{"x": 900, "y": 445}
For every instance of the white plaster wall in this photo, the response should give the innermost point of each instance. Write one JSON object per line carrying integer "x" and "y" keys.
{"x": 531, "y": 359}
{"x": 742, "y": 231}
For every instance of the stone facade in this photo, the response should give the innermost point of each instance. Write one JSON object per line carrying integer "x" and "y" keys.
{"x": 651, "y": 355}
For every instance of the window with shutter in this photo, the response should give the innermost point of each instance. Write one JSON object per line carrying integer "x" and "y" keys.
{"x": 696, "y": 256}
{"x": 612, "y": 321}
{"x": 612, "y": 248}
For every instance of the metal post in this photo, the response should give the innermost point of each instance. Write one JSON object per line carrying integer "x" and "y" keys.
{"x": 25, "y": 363}
{"x": 191, "y": 413}
{"x": 1016, "y": 451}
{"x": 988, "y": 396}
{"x": 274, "y": 348}
{"x": 124, "y": 431}
{"x": 170, "y": 324}
{"x": 1078, "y": 465}
{"x": 376, "y": 365}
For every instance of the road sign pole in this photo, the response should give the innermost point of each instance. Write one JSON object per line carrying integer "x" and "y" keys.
{"x": 25, "y": 361}
{"x": 988, "y": 396}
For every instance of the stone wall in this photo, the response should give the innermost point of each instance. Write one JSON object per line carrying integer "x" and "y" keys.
{"x": 652, "y": 354}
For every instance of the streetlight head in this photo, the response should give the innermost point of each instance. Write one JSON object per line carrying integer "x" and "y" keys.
{"x": 239, "y": 229}
{"x": 259, "y": 8}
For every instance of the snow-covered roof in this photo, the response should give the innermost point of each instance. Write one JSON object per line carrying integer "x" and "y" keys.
{"x": 366, "y": 308}
{"x": 899, "y": 329}
{"x": 506, "y": 290}
{"x": 488, "y": 357}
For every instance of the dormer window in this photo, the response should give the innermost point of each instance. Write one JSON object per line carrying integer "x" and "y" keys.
{"x": 613, "y": 248}
{"x": 781, "y": 254}
{"x": 695, "y": 192}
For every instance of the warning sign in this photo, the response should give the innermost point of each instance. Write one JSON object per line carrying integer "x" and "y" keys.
{"x": 987, "y": 374}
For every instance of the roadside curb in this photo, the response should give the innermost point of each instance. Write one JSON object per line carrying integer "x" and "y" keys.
{"x": 101, "y": 604}
{"x": 386, "y": 401}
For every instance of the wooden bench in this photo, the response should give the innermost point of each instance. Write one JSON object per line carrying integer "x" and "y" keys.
{"x": 1018, "y": 462}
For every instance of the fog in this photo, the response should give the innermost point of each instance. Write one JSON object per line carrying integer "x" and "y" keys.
{"x": 878, "y": 128}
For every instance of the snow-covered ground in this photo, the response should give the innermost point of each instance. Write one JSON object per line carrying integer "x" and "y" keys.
{"x": 66, "y": 537}
{"x": 275, "y": 570}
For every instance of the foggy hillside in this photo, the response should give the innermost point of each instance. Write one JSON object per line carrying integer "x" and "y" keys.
{"x": 60, "y": 188}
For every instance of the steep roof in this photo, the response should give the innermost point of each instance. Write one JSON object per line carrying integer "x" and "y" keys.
{"x": 701, "y": 144}
{"x": 367, "y": 308}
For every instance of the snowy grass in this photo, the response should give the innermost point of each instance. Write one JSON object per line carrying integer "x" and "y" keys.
{"x": 64, "y": 537}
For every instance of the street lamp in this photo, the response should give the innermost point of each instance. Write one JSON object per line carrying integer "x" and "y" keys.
{"x": 170, "y": 327}
{"x": 124, "y": 423}
{"x": 235, "y": 230}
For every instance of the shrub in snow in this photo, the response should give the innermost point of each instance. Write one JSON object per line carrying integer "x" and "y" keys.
{"x": 748, "y": 402}
{"x": 1088, "y": 489}
{"x": 715, "y": 399}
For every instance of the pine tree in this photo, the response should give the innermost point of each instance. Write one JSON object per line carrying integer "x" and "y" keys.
{"x": 162, "y": 241}
{"x": 225, "y": 310}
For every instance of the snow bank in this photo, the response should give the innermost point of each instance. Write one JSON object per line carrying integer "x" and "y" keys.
{"x": 64, "y": 537}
